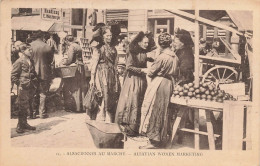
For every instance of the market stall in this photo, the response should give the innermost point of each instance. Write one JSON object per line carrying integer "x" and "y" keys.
{"x": 207, "y": 92}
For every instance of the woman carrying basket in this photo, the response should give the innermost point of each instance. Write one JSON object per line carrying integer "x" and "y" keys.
{"x": 104, "y": 75}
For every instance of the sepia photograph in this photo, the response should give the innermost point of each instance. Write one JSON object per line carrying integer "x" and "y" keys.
{"x": 131, "y": 82}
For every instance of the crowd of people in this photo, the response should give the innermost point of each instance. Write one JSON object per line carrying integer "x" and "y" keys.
{"x": 141, "y": 108}
{"x": 33, "y": 70}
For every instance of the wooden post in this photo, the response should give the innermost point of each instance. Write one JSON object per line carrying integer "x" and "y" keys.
{"x": 232, "y": 126}
{"x": 215, "y": 32}
{"x": 196, "y": 46}
{"x": 196, "y": 128}
{"x": 226, "y": 126}
{"x": 105, "y": 16}
{"x": 168, "y": 26}
{"x": 248, "y": 128}
{"x": 176, "y": 124}
{"x": 84, "y": 23}
{"x": 228, "y": 40}
{"x": 204, "y": 32}
{"x": 210, "y": 131}
{"x": 155, "y": 27}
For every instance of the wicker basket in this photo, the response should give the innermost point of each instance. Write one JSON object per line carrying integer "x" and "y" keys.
{"x": 68, "y": 71}
{"x": 106, "y": 135}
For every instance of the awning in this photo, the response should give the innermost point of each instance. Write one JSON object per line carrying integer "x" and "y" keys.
{"x": 56, "y": 27}
{"x": 119, "y": 14}
{"x": 242, "y": 19}
{"x": 30, "y": 23}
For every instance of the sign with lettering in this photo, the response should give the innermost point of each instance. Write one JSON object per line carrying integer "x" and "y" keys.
{"x": 54, "y": 14}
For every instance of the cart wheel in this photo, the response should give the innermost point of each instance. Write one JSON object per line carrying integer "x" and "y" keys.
{"x": 220, "y": 75}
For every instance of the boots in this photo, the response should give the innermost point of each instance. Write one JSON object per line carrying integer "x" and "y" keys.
{"x": 19, "y": 128}
{"x": 28, "y": 127}
{"x": 25, "y": 125}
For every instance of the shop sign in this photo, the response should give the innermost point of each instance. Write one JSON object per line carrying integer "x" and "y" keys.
{"x": 54, "y": 14}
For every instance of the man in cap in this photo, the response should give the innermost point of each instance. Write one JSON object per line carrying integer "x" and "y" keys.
{"x": 24, "y": 76}
{"x": 202, "y": 47}
{"x": 42, "y": 55}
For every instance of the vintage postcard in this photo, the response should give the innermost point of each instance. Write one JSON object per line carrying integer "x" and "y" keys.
{"x": 129, "y": 82}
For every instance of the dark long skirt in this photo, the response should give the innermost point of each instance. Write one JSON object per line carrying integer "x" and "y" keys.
{"x": 128, "y": 112}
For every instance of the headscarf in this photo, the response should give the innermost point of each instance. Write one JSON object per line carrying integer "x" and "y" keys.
{"x": 184, "y": 36}
{"x": 135, "y": 48}
{"x": 165, "y": 40}
{"x": 100, "y": 29}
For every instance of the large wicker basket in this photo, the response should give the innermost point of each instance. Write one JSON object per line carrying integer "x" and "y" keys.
{"x": 67, "y": 71}
{"x": 106, "y": 135}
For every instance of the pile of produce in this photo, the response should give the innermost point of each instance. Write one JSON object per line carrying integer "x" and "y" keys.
{"x": 202, "y": 92}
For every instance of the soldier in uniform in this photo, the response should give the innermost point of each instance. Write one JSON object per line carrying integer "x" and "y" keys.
{"x": 24, "y": 76}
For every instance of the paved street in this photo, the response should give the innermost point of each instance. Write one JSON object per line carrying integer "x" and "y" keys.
{"x": 62, "y": 129}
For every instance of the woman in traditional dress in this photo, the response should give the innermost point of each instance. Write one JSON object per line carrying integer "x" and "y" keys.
{"x": 128, "y": 112}
{"x": 183, "y": 49}
{"x": 154, "y": 119}
{"x": 104, "y": 74}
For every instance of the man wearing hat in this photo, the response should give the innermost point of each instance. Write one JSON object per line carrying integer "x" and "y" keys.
{"x": 24, "y": 76}
{"x": 42, "y": 55}
{"x": 202, "y": 47}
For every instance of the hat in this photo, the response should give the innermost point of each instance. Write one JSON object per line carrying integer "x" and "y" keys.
{"x": 39, "y": 34}
{"x": 70, "y": 38}
{"x": 184, "y": 36}
{"x": 23, "y": 46}
{"x": 202, "y": 41}
{"x": 17, "y": 43}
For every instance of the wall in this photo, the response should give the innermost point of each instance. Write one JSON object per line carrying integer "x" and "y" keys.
{"x": 66, "y": 19}
{"x": 184, "y": 24}
{"x": 137, "y": 20}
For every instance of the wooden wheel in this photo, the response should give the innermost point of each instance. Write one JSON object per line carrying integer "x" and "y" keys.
{"x": 220, "y": 75}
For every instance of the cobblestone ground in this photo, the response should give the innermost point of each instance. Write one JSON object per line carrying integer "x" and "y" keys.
{"x": 68, "y": 130}
{"x": 61, "y": 129}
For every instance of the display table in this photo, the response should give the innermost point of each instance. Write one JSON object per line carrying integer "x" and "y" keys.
{"x": 233, "y": 120}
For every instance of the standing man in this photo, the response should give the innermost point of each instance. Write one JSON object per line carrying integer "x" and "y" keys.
{"x": 42, "y": 55}
{"x": 25, "y": 77}
{"x": 51, "y": 42}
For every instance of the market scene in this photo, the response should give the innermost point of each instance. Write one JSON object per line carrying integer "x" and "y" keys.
{"x": 131, "y": 79}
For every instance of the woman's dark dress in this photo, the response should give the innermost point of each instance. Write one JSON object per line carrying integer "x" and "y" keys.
{"x": 131, "y": 98}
